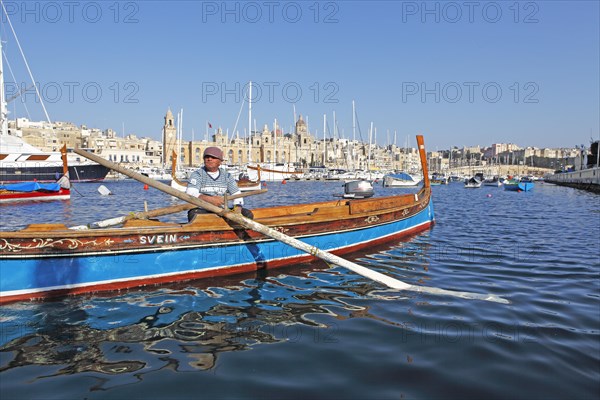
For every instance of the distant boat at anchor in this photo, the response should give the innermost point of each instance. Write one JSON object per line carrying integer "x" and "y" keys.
{"x": 519, "y": 185}
{"x": 401, "y": 179}
{"x": 473, "y": 183}
{"x": 495, "y": 181}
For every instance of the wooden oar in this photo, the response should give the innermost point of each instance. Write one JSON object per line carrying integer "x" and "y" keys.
{"x": 265, "y": 230}
{"x": 154, "y": 213}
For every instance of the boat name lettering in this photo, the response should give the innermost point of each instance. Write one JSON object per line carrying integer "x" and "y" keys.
{"x": 158, "y": 239}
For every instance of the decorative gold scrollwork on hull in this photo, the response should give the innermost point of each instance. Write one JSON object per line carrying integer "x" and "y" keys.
{"x": 39, "y": 243}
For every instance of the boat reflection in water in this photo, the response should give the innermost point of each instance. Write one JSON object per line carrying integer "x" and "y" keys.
{"x": 185, "y": 326}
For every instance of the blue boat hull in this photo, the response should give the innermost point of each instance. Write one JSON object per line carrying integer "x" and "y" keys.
{"x": 525, "y": 186}
{"x": 26, "y": 277}
{"x": 519, "y": 187}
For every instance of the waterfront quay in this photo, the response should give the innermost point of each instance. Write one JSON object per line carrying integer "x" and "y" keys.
{"x": 587, "y": 179}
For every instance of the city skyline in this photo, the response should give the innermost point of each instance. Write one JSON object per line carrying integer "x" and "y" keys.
{"x": 462, "y": 74}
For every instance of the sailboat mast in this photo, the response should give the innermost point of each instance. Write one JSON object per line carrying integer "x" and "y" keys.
{"x": 324, "y": 139}
{"x": 3, "y": 109}
{"x": 353, "y": 135}
{"x": 180, "y": 136}
{"x": 275, "y": 140}
{"x": 294, "y": 124}
{"x": 250, "y": 122}
{"x": 369, "y": 152}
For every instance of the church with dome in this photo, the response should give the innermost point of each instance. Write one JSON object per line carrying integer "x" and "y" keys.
{"x": 270, "y": 145}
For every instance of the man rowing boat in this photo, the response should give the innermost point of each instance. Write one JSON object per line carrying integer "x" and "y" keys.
{"x": 211, "y": 182}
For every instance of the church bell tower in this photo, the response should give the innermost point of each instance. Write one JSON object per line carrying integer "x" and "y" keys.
{"x": 169, "y": 138}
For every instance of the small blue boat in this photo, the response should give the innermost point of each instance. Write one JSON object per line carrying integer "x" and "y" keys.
{"x": 519, "y": 185}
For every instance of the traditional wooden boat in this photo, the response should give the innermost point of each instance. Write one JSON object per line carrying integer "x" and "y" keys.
{"x": 245, "y": 184}
{"x": 176, "y": 183}
{"x": 46, "y": 260}
{"x": 38, "y": 191}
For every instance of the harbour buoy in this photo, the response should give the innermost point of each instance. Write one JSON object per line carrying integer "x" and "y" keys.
{"x": 489, "y": 195}
{"x": 283, "y": 182}
{"x": 146, "y": 187}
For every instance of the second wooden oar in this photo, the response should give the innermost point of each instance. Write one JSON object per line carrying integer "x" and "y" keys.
{"x": 265, "y": 230}
{"x": 154, "y": 213}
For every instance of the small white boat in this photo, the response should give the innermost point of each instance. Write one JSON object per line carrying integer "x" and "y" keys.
{"x": 155, "y": 173}
{"x": 401, "y": 179}
{"x": 472, "y": 183}
{"x": 495, "y": 181}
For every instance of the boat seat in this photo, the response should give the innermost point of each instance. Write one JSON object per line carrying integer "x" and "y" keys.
{"x": 142, "y": 223}
{"x": 46, "y": 227}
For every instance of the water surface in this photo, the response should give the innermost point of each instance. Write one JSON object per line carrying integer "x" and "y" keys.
{"x": 317, "y": 331}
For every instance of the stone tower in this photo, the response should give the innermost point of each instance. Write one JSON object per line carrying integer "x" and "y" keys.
{"x": 169, "y": 138}
{"x": 302, "y": 135}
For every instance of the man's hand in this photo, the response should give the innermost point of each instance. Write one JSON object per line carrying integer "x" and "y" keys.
{"x": 214, "y": 200}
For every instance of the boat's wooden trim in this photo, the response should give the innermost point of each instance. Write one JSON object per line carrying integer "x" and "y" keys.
{"x": 423, "y": 157}
{"x": 368, "y": 205}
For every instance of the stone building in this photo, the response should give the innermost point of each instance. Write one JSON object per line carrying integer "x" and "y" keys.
{"x": 266, "y": 146}
{"x": 169, "y": 138}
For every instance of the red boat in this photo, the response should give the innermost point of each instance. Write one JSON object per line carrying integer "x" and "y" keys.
{"x": 36, "y": 191}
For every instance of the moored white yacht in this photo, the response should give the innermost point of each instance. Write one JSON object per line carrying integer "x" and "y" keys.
{"x": 22, "y": 162}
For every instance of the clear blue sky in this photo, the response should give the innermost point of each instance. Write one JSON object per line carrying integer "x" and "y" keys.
{"x": 461, "y": 73}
